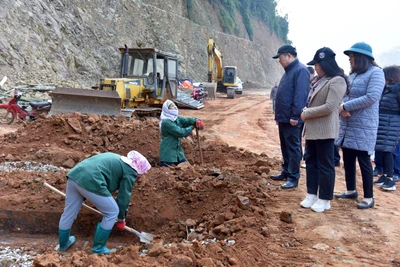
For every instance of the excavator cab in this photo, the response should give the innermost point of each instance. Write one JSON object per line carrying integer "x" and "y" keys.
{"x": 230, "y": 77}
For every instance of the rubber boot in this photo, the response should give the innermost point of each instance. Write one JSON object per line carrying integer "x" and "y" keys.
{"x": 65, "y": 239}
{"x": 100, "y": 241}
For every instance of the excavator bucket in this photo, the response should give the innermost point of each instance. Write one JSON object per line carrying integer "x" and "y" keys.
{"x": 69, "y": 100}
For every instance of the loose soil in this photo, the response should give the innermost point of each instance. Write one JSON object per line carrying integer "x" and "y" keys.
{"x": 224, "y": 212}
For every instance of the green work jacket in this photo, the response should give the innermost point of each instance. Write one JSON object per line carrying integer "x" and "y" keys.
{"x": 171, "y": 135}
{"x": 104, "y": 174}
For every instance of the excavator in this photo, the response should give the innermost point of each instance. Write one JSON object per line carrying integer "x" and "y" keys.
{"x": 225, "y": 76}
{"x": 148, "y": 77}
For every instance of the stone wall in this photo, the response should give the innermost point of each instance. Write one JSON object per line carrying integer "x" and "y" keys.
{"x": 75, "y": 43}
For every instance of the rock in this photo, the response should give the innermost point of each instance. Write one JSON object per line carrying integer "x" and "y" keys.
{"x": 206, "y": 262}
{"x": 219, "y": 219}
{"x": 218, "y": 228}
{"x": 190, "y": 223}
{"x": 243, "y": 202}
{"x": 69, "y": 163}
{"x": 229, "y": 215}
{"x": 286, "y": 217}
{"x": 321, "y": 246}
{"x": 10, "y": 157}
{"x": 75, "y": 124}
{"x": 260, "y": 163}
{"x": 182, "y": 261}
{"x": 192, "y": 236}
{"x": 156, "y": 250}
{"x": 39, "y": 154}
{"x": 265, "y": 170}
{"x": 233, "y": 261}
{"x": 265, "y": 231}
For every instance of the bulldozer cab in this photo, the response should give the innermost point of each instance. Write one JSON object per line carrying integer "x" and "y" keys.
{"x": 158, "y": 70}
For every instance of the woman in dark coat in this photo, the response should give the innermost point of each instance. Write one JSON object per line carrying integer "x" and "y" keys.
{"x": 389, "y": 125}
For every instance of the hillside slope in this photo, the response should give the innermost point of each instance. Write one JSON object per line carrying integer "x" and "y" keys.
{"x": 75, "y": 43}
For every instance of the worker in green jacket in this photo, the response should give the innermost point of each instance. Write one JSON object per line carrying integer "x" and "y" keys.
{"x": 95, "y": 179}
{"x": 173, "y": 127}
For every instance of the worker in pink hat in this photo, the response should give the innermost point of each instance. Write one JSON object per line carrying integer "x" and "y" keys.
{"x": 95, "y": 179}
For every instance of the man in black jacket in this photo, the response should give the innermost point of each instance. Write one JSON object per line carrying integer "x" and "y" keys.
{"x": 291, "y": 98}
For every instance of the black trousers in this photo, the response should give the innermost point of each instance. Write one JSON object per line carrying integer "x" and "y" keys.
{"x": 364, "y": 161}
{"x": 320, "y": 167}
{"x": 289, "y": 137}
{"x": 388, "y": 163}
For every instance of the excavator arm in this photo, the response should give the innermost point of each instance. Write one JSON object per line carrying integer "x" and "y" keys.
{"x": 215, "y": 68}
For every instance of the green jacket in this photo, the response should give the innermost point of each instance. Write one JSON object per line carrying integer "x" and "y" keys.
{"x": 171, "y": 135}
{"x": 104, "y": 174}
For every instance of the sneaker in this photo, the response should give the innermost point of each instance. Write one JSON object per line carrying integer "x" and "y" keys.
{"x": 309, "y": 201}
{"x": 389, "y": 185}
{"x": 396, "y": 177}
{"x": 376, "y": 172}
{"x": 381, "y": 180}
{"x": 321, "y": 205}
{"x": 303, "y": 165}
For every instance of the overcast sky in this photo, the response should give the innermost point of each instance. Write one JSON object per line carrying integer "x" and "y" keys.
{"x": 339, "y": 24}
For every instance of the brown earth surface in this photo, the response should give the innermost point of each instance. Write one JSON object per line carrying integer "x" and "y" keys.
{"x": 224, "y": 212}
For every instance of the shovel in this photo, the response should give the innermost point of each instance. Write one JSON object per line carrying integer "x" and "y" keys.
{"x": 144, "y": 237}
{"x": 198, "y": 142}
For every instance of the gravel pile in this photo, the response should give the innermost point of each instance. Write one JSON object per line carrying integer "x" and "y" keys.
{"x": 29, "y": 166}
{"x": 15, "y": 257}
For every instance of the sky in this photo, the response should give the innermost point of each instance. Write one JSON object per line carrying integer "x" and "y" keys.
{"x": 338, "y": 24}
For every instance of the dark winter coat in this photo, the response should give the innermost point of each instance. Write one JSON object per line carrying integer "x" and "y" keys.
{"x": 389, "y": 119}
{"x": 359, "y": 131}
{"x": 292, "y": 93}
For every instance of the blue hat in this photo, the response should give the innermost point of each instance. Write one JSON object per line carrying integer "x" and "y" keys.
{"x": 362, "y": 48}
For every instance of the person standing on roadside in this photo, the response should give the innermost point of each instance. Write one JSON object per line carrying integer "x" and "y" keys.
{"x": 313, "y": 79}
{"x": 359, "y": 119}
{"x": 272, "y": 96}
{"x": 389, "y": 125}
{"x": 291, "y": 97}
{"x": 321, "y": 127}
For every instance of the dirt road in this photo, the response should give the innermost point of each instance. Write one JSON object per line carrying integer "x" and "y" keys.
{"x": 342, "y": 236}
{"x": 352, "y": 236}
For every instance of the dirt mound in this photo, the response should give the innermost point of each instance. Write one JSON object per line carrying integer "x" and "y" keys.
{"x": 201, "y": 215}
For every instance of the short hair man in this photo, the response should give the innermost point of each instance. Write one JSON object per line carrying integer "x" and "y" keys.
{"x": 291, "y": 98}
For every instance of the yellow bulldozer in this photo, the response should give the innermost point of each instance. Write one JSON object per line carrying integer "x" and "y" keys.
{"x": 148, "y": 77}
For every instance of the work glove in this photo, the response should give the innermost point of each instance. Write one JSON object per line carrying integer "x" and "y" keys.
{"x": 121, "y": 225}
{"x": 199, "y": 125}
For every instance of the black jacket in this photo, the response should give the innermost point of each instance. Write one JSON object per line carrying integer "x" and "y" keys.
{"x": 389, "y": 119}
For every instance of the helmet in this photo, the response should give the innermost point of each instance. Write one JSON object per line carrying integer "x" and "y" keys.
{"x": 17, "y": 94}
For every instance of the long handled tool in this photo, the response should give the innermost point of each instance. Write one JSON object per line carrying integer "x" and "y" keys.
{"x": 144, "y": 237}
{"x": 198, "y": 142}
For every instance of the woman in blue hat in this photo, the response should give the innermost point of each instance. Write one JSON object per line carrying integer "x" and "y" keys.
{"x": 359, "y": 119}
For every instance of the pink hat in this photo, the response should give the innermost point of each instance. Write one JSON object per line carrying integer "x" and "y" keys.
{"x": 137, "y": 162}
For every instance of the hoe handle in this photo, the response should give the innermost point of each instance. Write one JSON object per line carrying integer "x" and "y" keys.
{"x": 198, "y": 142}
{"x": 61, "y": 193}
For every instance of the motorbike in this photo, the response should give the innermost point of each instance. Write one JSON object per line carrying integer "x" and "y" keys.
{"x": 13, "y": 110}
{"x": 199, "y": 94}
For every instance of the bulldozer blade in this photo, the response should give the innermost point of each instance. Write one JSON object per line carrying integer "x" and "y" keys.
{"x": 69, "y": 100}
